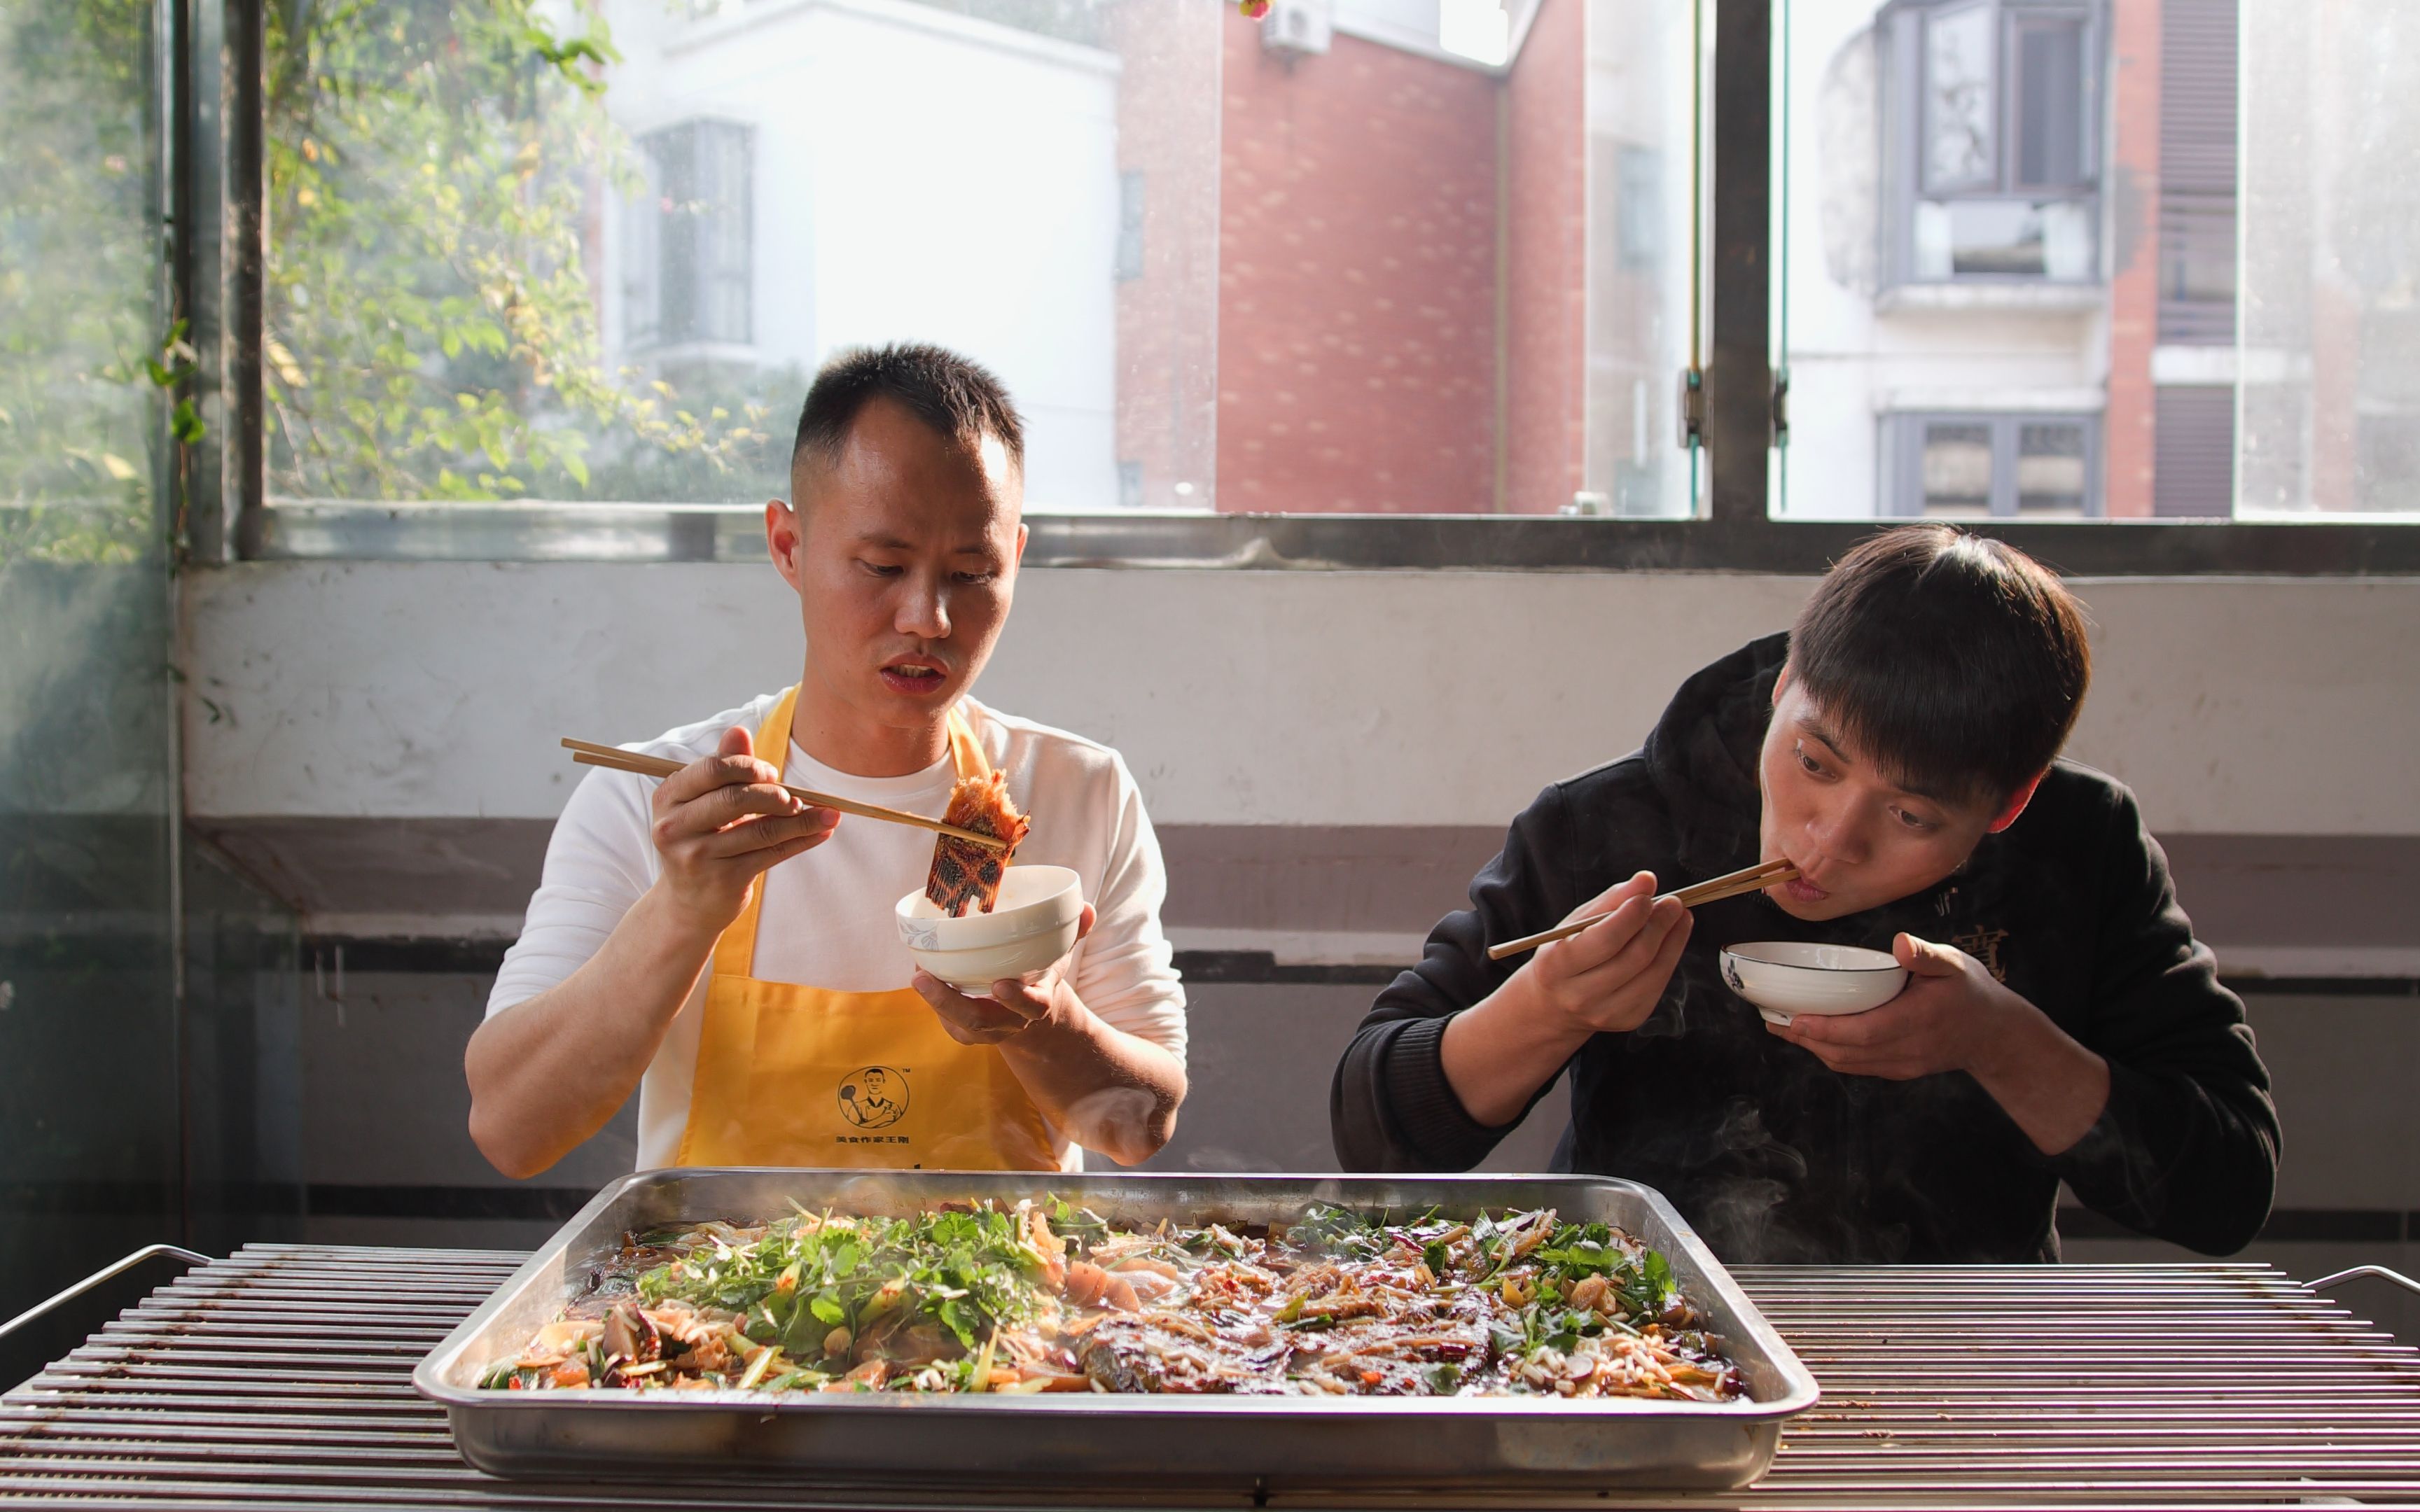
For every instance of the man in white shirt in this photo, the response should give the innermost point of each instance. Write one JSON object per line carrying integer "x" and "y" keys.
{"x": 776, "y": 1020}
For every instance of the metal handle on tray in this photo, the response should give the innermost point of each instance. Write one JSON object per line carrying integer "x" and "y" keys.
{"x": 2354, "y": 1274}
{"x": 97, "y": 1278}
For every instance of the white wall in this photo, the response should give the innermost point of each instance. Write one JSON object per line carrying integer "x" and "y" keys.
{"x": 438, "y": 690}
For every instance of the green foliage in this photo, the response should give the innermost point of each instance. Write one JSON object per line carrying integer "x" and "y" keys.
{"x": 435, "y": 172}
{"x": 75, "y": 280}
{"x": 435, "y": 175}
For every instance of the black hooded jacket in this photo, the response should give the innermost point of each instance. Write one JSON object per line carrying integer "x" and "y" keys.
{"x": 1772, "y": 1156}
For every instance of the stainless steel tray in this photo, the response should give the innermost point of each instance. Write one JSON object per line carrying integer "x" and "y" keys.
{"x": 888, "y": 1445}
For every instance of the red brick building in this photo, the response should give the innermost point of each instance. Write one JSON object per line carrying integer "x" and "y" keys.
{"x": 1402, "y": 276}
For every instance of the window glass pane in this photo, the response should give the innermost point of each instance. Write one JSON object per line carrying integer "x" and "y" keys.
{"x": 1959, "y": 71}
{"x": 1954, "y": 470}
{"x": 1633, "y": 288}
{"x": 2329, "y": 351}
{"x": 1447, "y": 287}
{"x": 2052, "y": 483}
{"x": 89, "y": 1166}
{"x": 454, "y": 191}
{"x": 1361, "y": 255}
{"x": 2048, "y": 104}
{"x": 76, "y": 272}
{"x": 2104, "y": 361}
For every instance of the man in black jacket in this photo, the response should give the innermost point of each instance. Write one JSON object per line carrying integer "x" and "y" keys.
{"x": 1899, "y": 746}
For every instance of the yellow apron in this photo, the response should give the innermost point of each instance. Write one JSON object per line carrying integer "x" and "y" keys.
{"x": 792, "y": 1075}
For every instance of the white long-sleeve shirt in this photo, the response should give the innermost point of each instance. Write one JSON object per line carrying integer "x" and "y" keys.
{"x": 826, "y": 919}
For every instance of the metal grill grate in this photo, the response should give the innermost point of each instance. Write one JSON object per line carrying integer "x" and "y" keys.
{"x": 280, "y": 1377}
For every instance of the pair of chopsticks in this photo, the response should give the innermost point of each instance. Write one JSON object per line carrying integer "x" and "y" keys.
{"x": 589, "y": 753}
{"x": 1714, "y": 889}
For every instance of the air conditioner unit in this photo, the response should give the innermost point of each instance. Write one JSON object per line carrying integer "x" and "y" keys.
{"x": 1297, "y": 28}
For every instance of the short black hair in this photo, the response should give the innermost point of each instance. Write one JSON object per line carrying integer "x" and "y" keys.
{"x": 1957, "y": 662}
{"x": 958, "y": 397}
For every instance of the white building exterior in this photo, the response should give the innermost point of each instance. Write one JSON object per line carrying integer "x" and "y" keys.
{"x": 912, "y": 175}
{"x": 1863, "y": 345}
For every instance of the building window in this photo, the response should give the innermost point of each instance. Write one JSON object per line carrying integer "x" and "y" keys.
{"x": 1990, "y": 161}
{"x": 2037, "y": 467}
{"x": 1130, "y": 224}
{"x": 1638, "y": 194}
{"x": 689, "y": 273}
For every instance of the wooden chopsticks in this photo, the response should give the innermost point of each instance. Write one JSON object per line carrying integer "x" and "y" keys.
{"x": 589, "y": 753}
{"x": 1714, "y": 889}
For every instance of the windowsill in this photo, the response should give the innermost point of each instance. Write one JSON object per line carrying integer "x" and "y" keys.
{"x": 731, "y": 353}
{"x": 1996, "y": 297}
{"x": 1993, "y": 400}
{"x": 731, "y": 22}
{"x": 544, "y": 531}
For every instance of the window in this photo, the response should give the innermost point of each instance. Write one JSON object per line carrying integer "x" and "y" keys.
{"x": 592, "y": 250}
{"x": 2039, "y": 351}
{"x": 2036, "y": 467}
{"x": 1328, "y": 265}
{"x": 1377, "y": 257}
{"x": 1131, "y": 225}
{"x": 689, "y": 267}
{"x": 78, "y": 337}
{"x": 1990, "y": 150}
{"x": 90, "y": 946}
{"x": 1638, "y": 201}
{"x": 1958, "y": 294}
{"x": 2328, "y": 349}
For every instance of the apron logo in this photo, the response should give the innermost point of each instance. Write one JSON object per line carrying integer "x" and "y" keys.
{"x": 874, "y": 1097}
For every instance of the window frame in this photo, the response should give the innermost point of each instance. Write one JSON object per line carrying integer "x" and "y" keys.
{"x": 214, "y": 163}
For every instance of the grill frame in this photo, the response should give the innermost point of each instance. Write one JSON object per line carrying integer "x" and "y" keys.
{"x": 157, "y": 1411}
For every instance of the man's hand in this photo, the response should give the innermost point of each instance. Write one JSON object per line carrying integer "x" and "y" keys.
{"x": 1608, "y": 977}
{"x": 1606, "y": 980}
{"x": 548, "y": 1073}
{"x": 1100, "y": 1087}
{"x": 1952, "y": 1017}
{"x": 1949, "y": 1017}
{"x": 722, "y": 821}
{"x": 1016, "y": 1005}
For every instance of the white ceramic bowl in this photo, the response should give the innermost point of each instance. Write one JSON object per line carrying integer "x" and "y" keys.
{"x": 1783, "y": 978}
{"x": 1032, "y": 925}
